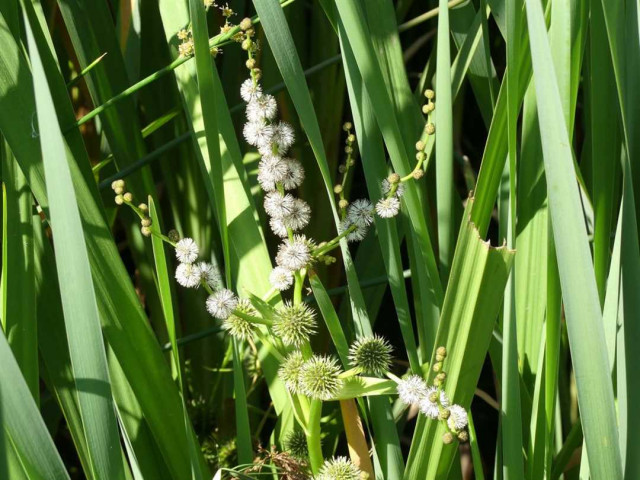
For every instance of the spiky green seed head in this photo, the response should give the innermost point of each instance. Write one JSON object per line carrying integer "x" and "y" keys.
{"x": 339, "y": 468}
{"x": 447, "y": 438}
{"x": 239, "y": 327}
{"x": 173, "y": 235}
{"x": 320, "y": 377}
{"x": 289, "y": 371}
{"x": 296, "y": 444}
{"x": 294, "y": 324}
{"x": 371, "y": 354}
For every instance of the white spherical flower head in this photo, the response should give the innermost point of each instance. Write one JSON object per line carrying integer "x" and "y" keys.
{"x": 237, "y": 326}
{"x": 432, "y": 401}
{"x": 209, "y": 273}
{"x": 294, "y": 324}
{"x": 281, "y": 278}
{"x": 290, "y": 370}
{"x": 320, "y": 377}
{"x": 271, "y": 171}
{"x": 357, "y": 233}
{"x": 187, "y": 250}
{"x": 388, "y": 207}
{"x": 371, "y": 354}
{"x": 261, "y": 108}
{"x": 458, "y": 418}
{"x": 283, "y": 136}
{"x": 294, "y": 254}
{"x": 339, "y": 468}
{"x": 299, "y": 216}
{"x": 257, "y": 133}
{"x": 188, "y": 275}
{"x": 386, "y": 188}
{"x": 279, "y": 227}
{"x": 221, "y": 303}
{"x": 278, "y": 205}
{"x": 360, "y": 212}
{"x": 294, "y": 174}
{"x": 411, "y": 390}
{"x": 249, "y": 90}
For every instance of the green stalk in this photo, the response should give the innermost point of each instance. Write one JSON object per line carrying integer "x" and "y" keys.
{"x": 313, "y": 436}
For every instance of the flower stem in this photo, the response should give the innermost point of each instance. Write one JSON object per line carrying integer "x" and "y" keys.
{"x": 313, "y": 436}
{"x": 331, "y": 244}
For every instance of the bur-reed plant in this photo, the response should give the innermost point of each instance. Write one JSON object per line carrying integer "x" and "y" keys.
{"x": 292, "y": 274}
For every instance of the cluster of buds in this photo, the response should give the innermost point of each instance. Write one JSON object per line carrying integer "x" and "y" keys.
{"x": 344, "y": 168}
{"x": 185, "y": 49}
{"x": 126, "y": 198}
{"x": 433, "y": 401}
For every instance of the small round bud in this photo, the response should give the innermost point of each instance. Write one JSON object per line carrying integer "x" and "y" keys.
{"x": 114, "y": 184}
{"x": 257, "y": 73}
{"x": 430, "y": 94}
{"x": 430, "y": 128}
{"x": 338, "y": 189}
{"x": 347, "y": 126}
{"x": 420, "y": 156}
{"x": 247, "y": 43}
{"x": 246, "y": 24}
{"x": 215, "y": 51}
{"x": 463, "y": 436}
{"x": 128, "y": 197}
{"x": 118, "y": 190}
{"x": 434, "y": 396}
{"x": 441, "y": 376}
{"x": 437, "y": 367}
{"x": 119, "y": 200}
{"x": 417, "y": 174}
{"x": 428, "y": 108}
{"x": 173, "y": 235}
{"x": 439, "y": 358}
{"x": 348, "y": 149}
{"x": 420, "y": 145}
{"x": 444, "y": 414}
{"x": 145, "y": 222}
{"x": 250, "y": 32}
{"x": 447, "y": 438}
{"x": 442, "y": 351}
{"x": 425, "y": 109}
{"x": 251, "y": 63}
{"x": 343, "y": 204}
{"x": 146, "y": 231}
{"x": 393, "y": 178}
{"x": 351, "y": 138}
{"x": 342, "y": 168}
{"x": 352, "y": 162}
{"x": 143, "y": 207}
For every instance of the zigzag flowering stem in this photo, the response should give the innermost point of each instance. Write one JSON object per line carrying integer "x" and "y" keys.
{"x": 331, "y": 244}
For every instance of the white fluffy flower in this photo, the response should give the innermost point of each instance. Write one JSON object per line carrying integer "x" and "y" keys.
{"x": 357, "y": 234}
{"x": 186, "y": 250}
{"x": 458, "y": 419}
{"x": 299, "y": 216}
{"x": 283, "y": 136}
{"x": 388, "y": 207}
{"x": 412, "y": 389}
{"x": 294, "y": 254}
{"x": 294, "y": 174}
{"x": 386, "y": 188}
{"x": 221, "y": 303}
{"x": 339, "y": 468}
{"x": 360, "y": 212}
{"x": 281, "y": 278}
{"x": 249, "y": 90}
{"x": 262, "y": 107}
{"x": 188, "y": 275}
{"x": 257, "y": 133}
{"x": 278, "y": 227}
{"x": 278, "y": 205}
{"x": 429, "y": 404}
{"x": 271, "y": 170}
{"x": 210, "y": 274}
